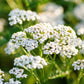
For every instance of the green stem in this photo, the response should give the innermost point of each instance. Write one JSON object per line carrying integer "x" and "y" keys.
{"x": 33, "y": 53}
{"x": 31, "y": 72}
{"x": 68, "y": 66}
{"x": 41, "y": 50}
{"x": 54, "y": 57}
{"x": 50, "y": 57}
{"x": 36, "y": 77}
{"x": 57, "y": 66}
{"x": 21, "y": 27}
{"x": 79, "y": 77}
{"x": 56, "y": 63}
{"x": 53, "y": 61}
{"x": 18, "y": 27}
{"x": 25, "y": 51}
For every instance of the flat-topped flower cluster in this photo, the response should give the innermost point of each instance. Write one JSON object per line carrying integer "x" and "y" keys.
{"x": 17, "y": 16}
{"x": 18, "y": 75}
{"x": 40, "y": 32}
{"x": 31, "y": 62}
{"x": 59, "y": 39}
{"x": 18, "y": 72}
{"x": 78, "y": 65}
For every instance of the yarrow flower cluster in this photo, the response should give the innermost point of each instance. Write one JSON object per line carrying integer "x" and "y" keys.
{"x": 19, "y": 39}
{"x": 18, "y": 72}
{"x": 79, "y": 11}
{"x": 17, "y": 16}
{"x": 29, "y": 44}
{"x": 78, "y": 65}
{"x": 30, "y": 62}
{"x": 51, "y": 48}
{"x": 63, "y": 44}
{"x": 11, "y": 47}
{"x": 80, "y": 28}
{"x": 65, "y": 34}
{"x": 49, "y": 10}
{"x": 68, "y": 51}
{"x": 12, "y": 81}
{"x": 40, "y": 32}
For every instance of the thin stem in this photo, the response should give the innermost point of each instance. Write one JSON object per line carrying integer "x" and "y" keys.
{"x": 46, "y": 57}
{"x": 18, "y": 27}
{"x": 56, "y": 63}
{"x": 43, "y": 72}
{"x": 35, "y": 76}
{"x": 50, "y": 57}
{"x": 79, "y": 77}
{"x": 57, "y": 66}
{"x": 41, "y": 50}
{"x": 54, "y": 57}
{"x": 33, "y": 53}
{"x": 53, "y": 60}
{"x": 21, "y": 27}
{"x": 25, "y": 51}
{"x": 68, "y": 66}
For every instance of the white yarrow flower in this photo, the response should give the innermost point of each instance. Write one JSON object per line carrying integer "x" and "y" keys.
{"x": 17, "y": 16}
{"x": 30, "y": 62}
{"x": 18, "y": 72}
{"x": 78, "y": 65}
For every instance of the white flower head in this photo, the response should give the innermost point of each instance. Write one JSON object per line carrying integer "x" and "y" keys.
{"x": 20, "y": 39}
{"x": 11, "y": 47}
{"x": 17, "y": 16}
{"x": 68, "y": 51}
{"x": 14, "y": 42}
{"x": 29, "y": 44}
{"x": 78, "y": 65}
{"x": 30, "y": 62}
{"x": 17, "y": 38}
{"x": 40, "y": 32}
{"x": 12, "y": 81}
{"x": 63, "y": 43}
{"x": 18, "y": 72}
{"x": 51, "y": 48}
